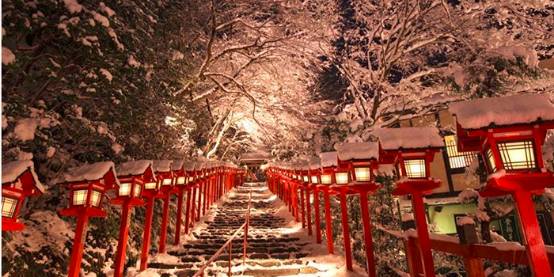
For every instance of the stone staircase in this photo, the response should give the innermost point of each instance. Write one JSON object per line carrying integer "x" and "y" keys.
{"x": 271, "y": 251}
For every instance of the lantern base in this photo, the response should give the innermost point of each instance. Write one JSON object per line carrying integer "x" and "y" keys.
{"x": 507, "y": 183}
{"x": 79, "y": 211}
{"x": 132, "y": 203}
{"x": 10, "y": 224}
{"x": 415, "y": 186}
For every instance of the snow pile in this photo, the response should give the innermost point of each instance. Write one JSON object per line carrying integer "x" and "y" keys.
{"x": 89, "y": 172}
{"x": 25, "y": 129}
{"x": 328, "y": 159}
{"x": 315, "y": 163}
{"x": 385, "y": 170}
{"x": 44, "y": 229}
{"x": 106, "y": 74}
{"x": 162, "y": 165}
{"x": 409, "y": 138}
{"x": 7, "y": 56}
{"x": 507, "y": 246}
{"x": 509, "y": 110}
{"x": 468, "y": 195}
{"x": 357, "y": 151}
{"x": 133, "y": 168}
{"x": 73, "y": 6}
{"x": 407, "y": 217}
{"x": 132, "y": 61}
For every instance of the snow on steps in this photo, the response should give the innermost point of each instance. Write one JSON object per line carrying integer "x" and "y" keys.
{"x": 276, "y": 244}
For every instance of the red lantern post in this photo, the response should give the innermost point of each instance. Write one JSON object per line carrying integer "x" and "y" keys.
{"x": 87, "y": 185}
{"x": 18, "y": 182}
{"x": 150, "y": 192}
{"x": 412, "y": 150}
{"x": 162, "y": 169}
{"x": 314, "y": 174}
{"x": 189, "y": 187}
{"x": 329, "y": 162}
{"x": 179, "y": 174}
{"x": 360, "y": 159}
{"x": 132, "y": 177}
{"x": 509, "y": 133}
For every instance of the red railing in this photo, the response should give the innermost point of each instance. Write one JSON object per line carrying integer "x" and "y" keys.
{"x": 229, "y": 244}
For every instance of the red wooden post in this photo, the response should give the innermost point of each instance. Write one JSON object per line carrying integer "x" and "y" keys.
{"x": 123, "y": 237}
{"x": 199, "y": 202}
{"x": 317, "y": 218}
{"x": 78, "y": 244}
{"x": 414, "y": 258}
{"x": 303, "y": 207}
{"x": 536, "y": 250}
{"x": 204, "y": 196}
{"x": 146, "y": 235}
{"x": 328, "y": 222}
{"x": 193, "y": 206}
{"x": 187, "y": 211}
{"x": 474, "y": 266}
{"x": 367, "y": 234}
{"x": 345, "y": 230}
{"x": 423, "y": 234}
{"x": 163, "y": 228}
{"x": 308, "y": 211}
{"x": 179, "y": 217}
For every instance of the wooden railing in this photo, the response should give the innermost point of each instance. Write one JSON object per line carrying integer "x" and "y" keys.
{"x": 229, "y": 244}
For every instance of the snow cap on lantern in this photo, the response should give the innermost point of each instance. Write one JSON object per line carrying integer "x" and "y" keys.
{"x": 188, "y": 167}
{"x": 314, "y": 170}
{"x": 411, "y": 149}
{"x": 133, "y": 177}
{"x": 19, "y": 180}
{"x": 88, "y": 185}
{"x": 508, "y": 131}
{"x": 329, "y": 161}
{"x": 162, "y": 169}
{"x": 359, "y": 158}
{"x": 179, "y": 172}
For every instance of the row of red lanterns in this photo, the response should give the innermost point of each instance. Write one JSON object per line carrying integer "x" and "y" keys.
{"x": 137, "y": 183}
{"x": 508, "y": 132}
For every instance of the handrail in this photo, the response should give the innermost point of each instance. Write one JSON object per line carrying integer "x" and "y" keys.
{"x": 228, "y": 244}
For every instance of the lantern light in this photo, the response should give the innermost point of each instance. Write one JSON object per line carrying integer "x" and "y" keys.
{"x": 415, "y": 168}
{"x": 181, "y": 180}
{"x": 517, "y": 155}
{"x": 314, "y": 180}
{"x": 8, "y": 206}
{"x": 151, "y": 185}
{"x": 125, "y": 189}
{"x": 362, "y": 174}
{"x": 358, "y": 158}
{"x": 341, "y": 178}
{"x": 326, "y": 179}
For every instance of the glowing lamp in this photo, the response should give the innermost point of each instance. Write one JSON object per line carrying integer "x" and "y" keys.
{"x": 329, "y": 162}
{"x": 326, "y": 179}
{"x": 509, "y": 133}
{"x": 341, "y": 178}
{"x": 359, "y": 158}
{"x": 18, "y": 181}
{"x": 165, "y": 175}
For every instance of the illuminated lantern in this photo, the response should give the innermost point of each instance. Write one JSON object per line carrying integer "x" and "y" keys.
{"x": 329, "y": 163}
{"x": 509, "y": 133}
{"x": 150, "y": 192}
{"x": 18, "y": 181}
{"x": 132, "y": 177}
{"x": 356, "y": 162}
{"x": 164, "y": 175}
{"x": 412, "y": 150}
{"x": 315, "y": 181}
{"x": 87, "y": 185}
{"x": 178, "y": 169}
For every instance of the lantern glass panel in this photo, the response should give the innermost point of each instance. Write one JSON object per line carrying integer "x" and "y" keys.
{"x": 362, "y": 174}
{"x": 326, "y": 179}
{"x": 305, "y": 178}
{"x": 314, "y": 180}
{"x": 95, "y": 198}
{"x": 415, "y": 168}
{"x": 490, "y": 160}
{"x": 342, "y": 178}
{"x": 150, "y": 185}
{"x": 8, "y": 206}
{"x": 136, "y": 190}
{"x": 191, "y": 179}
{"x": 181, "y": 180}
{"x": 517, "y": 155}
{"x": 293, "y": 176}
{"x": 167, "y": 182}
{"x": 80, "y": 197}
{"x": 125, "y": 189}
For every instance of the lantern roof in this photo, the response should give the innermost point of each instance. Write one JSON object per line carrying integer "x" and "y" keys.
{"x": 189, "y": 166}
{"x": 177, "y": 165}
{"x": 92, "y": 172}
{"x": 357, "y": 151}
{"x": 409, "y": 138}
{"x": 162, "y": 165}
{"x": 134, "y": 168}
{"x": 314, "y": 163}
{"x": 502, "y": 111}
{"x": 328, "y": 159}
{"x": 12, "y": 171}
